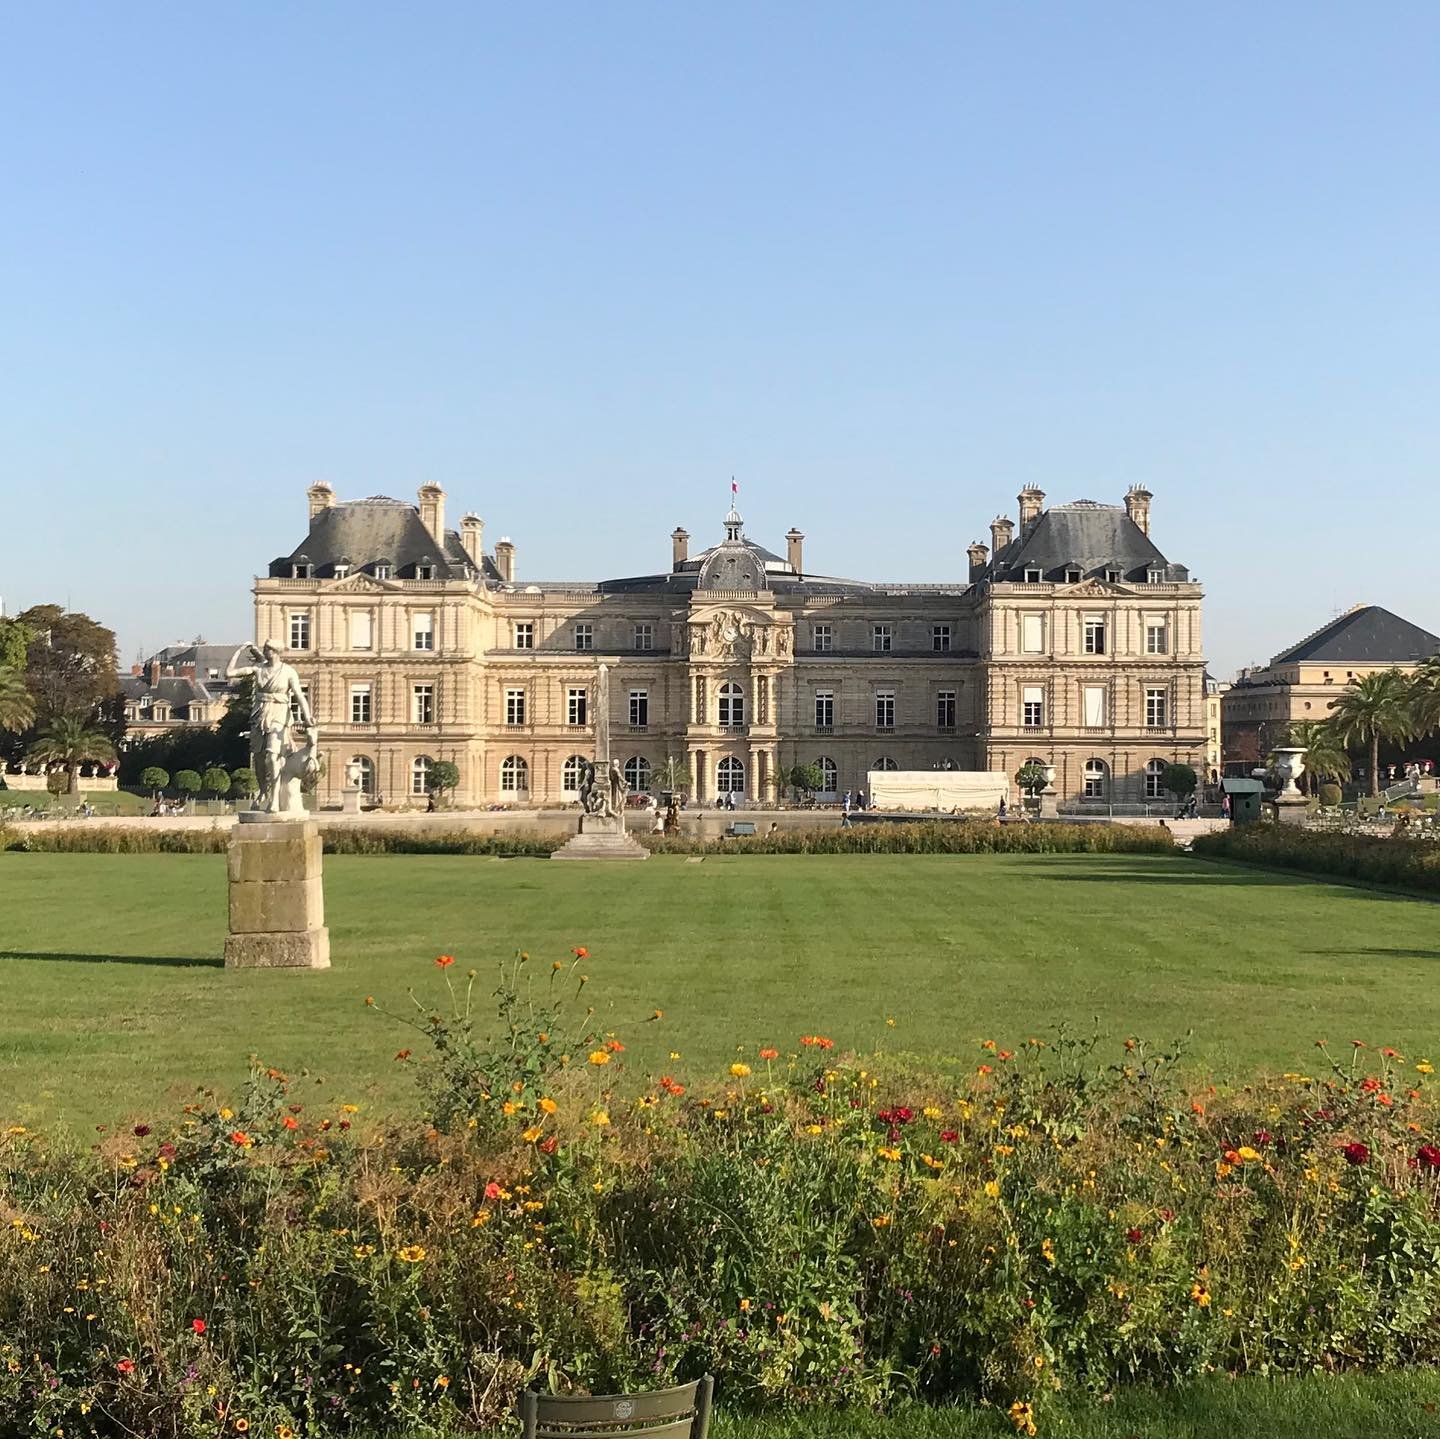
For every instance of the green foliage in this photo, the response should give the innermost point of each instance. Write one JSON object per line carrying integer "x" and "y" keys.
{"x": 1374, "y": 708}
{"x": 17, "y": 706}
{"x": 14, "y": 644}
{"x": 188, "y": 782}
{"x": 217, "y": 781}
{"x": 1404, "y": 863}
{"x": 1330, "y": 795}
{"x": 1179, "y": 780}
{"x": 154, "y": 778}
{"x": 674, "y": 774}
{"x": 804, "y": 778}
{"x": 1325, "y": 754}
{"x": 1030, "y": 777}
{"x": 245, "y": 781}
{"x": 443, "y": 776}
{"x": 69, "y": 662}
{"x": 57, "y": 782}
{"x": 931, "y": 837}
{"x": 71, "y": 740}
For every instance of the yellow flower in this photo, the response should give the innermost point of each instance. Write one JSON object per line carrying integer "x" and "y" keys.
{"x": 814, "y": 1129}
{"x": 1425, "y": 1067}
{"x": 1250, "y": 1156}
{"x": 599, "y": 1057}
{"x": 349, "y": 1109}
{"x": 1022, "y": 1416}
{"x": 227, "y": 1113}
{"x": 481, "y": 1217}
{"x": 881, "y": 1221}
{"x": 548, "y": 1106}
{"x": 890, "y": 1022}
{"x": 1047, "y": 1250}
{"x": 930, "y": 1112}
{"x": 442, "y": 1381}
{"x": 931, "y": 1162}
{"x": 532, "y": 1134}
{"x": 740, "y": 1071}
{"x": 599, "y": 1118}
{"x": 992, "y": 1189}
{"x": 744, "y": 1306}
{"x": 886, "y": 1153}
{"x": 1201, "y": 1295}
{"x": 364, "y": 1251}
{"x": 412, "y": 1253}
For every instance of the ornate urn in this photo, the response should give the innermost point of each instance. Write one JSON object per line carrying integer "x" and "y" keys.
{"x": 1288, "y": 765}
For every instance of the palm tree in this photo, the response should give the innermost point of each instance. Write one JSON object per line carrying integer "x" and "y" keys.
{"x": 1325, "y": 754}
{"x": 1374, "y": 708}
{"x": 1425, "y": 697}
{"x": 72, "y": 741}
{"x": 17, "y": 708}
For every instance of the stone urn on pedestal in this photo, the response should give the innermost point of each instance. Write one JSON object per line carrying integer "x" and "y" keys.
{"x": 1287, "y": 764}
{"x": 1049, "y": 799}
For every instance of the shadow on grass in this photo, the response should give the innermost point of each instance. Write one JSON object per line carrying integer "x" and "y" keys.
{"x": 161, "y": 961}
{"x": 1383, "y": 952}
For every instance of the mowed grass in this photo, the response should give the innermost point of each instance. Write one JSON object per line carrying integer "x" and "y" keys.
{"x": 112, "y": 1000}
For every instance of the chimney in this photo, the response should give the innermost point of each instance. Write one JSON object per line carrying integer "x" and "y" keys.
{"x": 1137, "y": 506}
{"x": 679, "y": 547}
{"x": 978, "y": 555}
{"x": 321, "y": 497}
{"x": 137, "y": 670}
{"x": 505, "y": 560}
{"x": 795, "y": 550}
{"x": 432, "y": 513}
{"x": 472, "y": 536}
{"x": 1002, "y": 531}
{"x": 1032, "y": 506}
{"x": 154, "y": 672}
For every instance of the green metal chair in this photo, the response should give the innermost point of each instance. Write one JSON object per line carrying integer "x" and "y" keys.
{"x": 679, "y": 1413}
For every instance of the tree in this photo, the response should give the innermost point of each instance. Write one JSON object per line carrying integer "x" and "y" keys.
{"x": 1425, "y": 698}
{"x": 1180, "y": 780}
{"x": 245, "y": 781}
{"x": 673, "y": 775}
{"x": 188, "y": 783}
{"x": 71, "y": 741}
{"x": 154, "y": 779}
{"x": 232, "y": 729}
{"x": 69, "y": 662}
{"x": 217, "y": 781}
{"x": 1030, "y": 777}
{"x": 57, "y": 782}
{"x": 17, "y": 706}
{"x": 1325, "y": 754}
{"x": 443, "y": 776}
{"x": 14, "y": 644}
{"x": 1374, "y": 708}
{"x": 804, "y": 778}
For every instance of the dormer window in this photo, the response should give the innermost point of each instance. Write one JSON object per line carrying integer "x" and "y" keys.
{"x": 1113, "y": 576}
{"x": 301, "y": 568}
{"x": 1072, "y": 575}
{"x": 1154, "y": 576}
{"x": 382, "y": 570}
{"x": 1033, "y": 575}
{"x": 425, "y": 570}
{"x": 341, "y": 570}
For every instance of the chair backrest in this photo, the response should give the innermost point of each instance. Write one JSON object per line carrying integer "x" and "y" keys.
{"x": 679, "y": 1413}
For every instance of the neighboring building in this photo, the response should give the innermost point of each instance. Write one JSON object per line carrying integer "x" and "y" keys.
{"x": 1302, "y": 682}
{"x": 1076, "y": 642}
{"x": 1215, "y": 692}
{"x": 180, "y": 685}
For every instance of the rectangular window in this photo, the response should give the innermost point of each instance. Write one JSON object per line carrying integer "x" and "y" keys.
{"x": 940, "y": 638}
{"x": 644, "y": 637}
{"x": 359, "y": 704}
{"x": 424, "y": 629}
{"x": 1155, "y": 709}
{"x": 880, "y": 639}
{"x": 945, "y": 709}
{"x": 639, "y": 709}
{"x": 361, "y": 629}
{"x": 515, "y": 706}
{"x": 1155, "y": 577}
{"x": 423, "y": 704}
{"x": 1094, "y": 635}
{"x": 382, "y": 572}
{"x": 1032, "y": 706}
{"x": 1114, "y": 576}
{"x": 524, "y": 635}
{"x": 824, "y": 639}
{"x": 1033, "y": 576}
{"x": 302, "y": 572}
{"x": 576, "y": 706}
{"x": 300, "y": 630}
{"x": 1157, "y": 637}
{"x": 1032, "y": 634}
{"x": 584, "y": 637}
{"x": 824, "y": 709}
{"x": 884, "y": 709}
{"x": 295, "y": 706}
{"x": 1094, "y": 698}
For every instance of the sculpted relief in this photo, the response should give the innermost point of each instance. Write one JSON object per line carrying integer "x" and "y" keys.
{"x": 729, "y": 635}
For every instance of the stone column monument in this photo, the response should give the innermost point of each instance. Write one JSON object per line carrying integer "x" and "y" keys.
{"x": 277, "y": 903}
{"x": 602, "y": 795}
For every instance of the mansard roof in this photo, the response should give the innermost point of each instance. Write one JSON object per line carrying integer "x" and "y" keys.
{"x": 1087, "y": 536}
{"x": 362, "y": 533}
{"x": 1367, "y": 635}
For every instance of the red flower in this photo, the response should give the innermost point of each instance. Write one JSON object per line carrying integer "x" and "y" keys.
{"x": 290, "y": 1122}
{"x": 444, "y": 961}
{"x": 1230, "y": 1157}
{"x": 1428, "y": 1156}
{"x": 548, "y": 1145}
{"x": 492, "y": 1190}
{"x": 126, "y": 1366}
{"x": 769, "y": 1053}
{"x": 984, "y": 1069}
{"x": 580, "y": 952}
{"x": 198, "y": 1325}
{"x": 238, "y": 1136}
{"x": 403, "y": 1055}
{"x": 1356, "y": 1153}
{"x": 141, "y": 1130}
{"x": 166, "y": 1150}
{"x": 817, "y": 1041}
{"x": 1369, "y": 1084}
{"x": 1262, "y": 1137}
{"x": 1167, "y": 1215}
{"x": 614, "y": 1046}
{"x": 1134, "y": 1236}
{"x": 1007, "y": 1054}
{"x": 948, "y": 1136}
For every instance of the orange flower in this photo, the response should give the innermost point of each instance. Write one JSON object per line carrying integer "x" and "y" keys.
{"x": 817, "y": 1041}
{"x": 598, "y": 1057}
{"x": 984, "y": 1069}
{"x": 769, "y": 1053}
{"x": 444, "y": 961}
{"x": 290, "y": 1122}
{"x": 614, "y": 1046}
{"x": 403, "y": 1054}
{"x": 241, "y": 1138}
{"x": 580, "y": 952}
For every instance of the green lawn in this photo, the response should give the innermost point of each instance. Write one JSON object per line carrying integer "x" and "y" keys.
{"x": 111, "y": 997}
{"x": 107, "y": 801}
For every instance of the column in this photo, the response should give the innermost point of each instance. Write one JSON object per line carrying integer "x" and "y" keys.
{"x": 755, "y": 774}
{"x": 770, "y": 770}
{"x": 697, "y": 775}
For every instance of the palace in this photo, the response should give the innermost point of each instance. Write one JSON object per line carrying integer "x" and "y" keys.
{"x": 1071, "y": 640}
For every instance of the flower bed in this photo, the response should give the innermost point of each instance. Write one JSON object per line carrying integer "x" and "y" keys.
{"x": 1405, "y": 863}
{"x": 812, "y": 1227}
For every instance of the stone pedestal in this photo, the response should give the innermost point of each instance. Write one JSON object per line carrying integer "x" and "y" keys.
{"x": 601, "y": 838}
{"x": 350, "y": 800}
{"x": 277, "y": 904}
{"x": 1049, "y": 803}
{"x": 1290, "y": 810}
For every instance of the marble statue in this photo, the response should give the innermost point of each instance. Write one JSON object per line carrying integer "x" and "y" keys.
{"x": 273, "y": 752}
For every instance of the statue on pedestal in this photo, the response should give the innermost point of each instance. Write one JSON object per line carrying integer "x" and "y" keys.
{"x": 278, "y": 762}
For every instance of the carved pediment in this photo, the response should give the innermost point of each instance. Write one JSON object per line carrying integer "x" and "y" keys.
{"x": 358, "y": 583}
{"x": 1097, "y": 589}
{"x": 729, "y": 633}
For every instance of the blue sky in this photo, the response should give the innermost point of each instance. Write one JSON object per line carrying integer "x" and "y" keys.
{"x": 579, "y": 263}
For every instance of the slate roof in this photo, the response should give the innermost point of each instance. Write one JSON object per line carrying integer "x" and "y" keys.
{"x": 174, "y": 690}
{"x": 364, "y": 533}
{"x": 204, "y": 657}
{"x": 1367, "y": 635}
{"x": 1087, "y": 536}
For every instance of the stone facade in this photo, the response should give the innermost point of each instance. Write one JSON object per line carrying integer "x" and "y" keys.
{"x": 1076, "y": 643}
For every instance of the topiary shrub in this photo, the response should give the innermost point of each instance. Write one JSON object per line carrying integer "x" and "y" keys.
{"x": 1329, "y": 795}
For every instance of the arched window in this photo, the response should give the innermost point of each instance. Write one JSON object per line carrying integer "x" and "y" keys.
{"x": 1097, "y": 778}
{"x": 366, "y": 767}
{"x": 831, "y": 771}
{"x": 885, "y": 762}
{"x": 1154, "y": 779}
{"x": 730, "y": 776}
{"x": 514, "y": 776}
{"x": 570, "y": 775}
{"x": 420, "y": 774}
{"x": 637, "y": 773}
{"x": 732, "y": 705}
